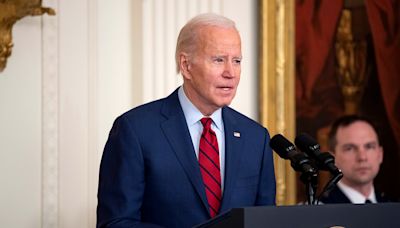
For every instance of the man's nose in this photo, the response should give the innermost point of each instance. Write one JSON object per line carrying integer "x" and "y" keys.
{"x": 361, "y": 154}
{"x": 229, "y": 70}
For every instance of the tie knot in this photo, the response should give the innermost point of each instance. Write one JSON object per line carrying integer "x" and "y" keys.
{"x": 206, "y": 121}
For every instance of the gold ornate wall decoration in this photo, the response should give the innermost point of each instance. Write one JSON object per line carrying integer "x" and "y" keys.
{"x": 10, "y": 12}
{"x": 351, "y": 56}
{"x": 277, "y": 90}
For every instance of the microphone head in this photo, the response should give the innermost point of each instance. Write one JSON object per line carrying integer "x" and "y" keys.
{"x": 308, "y": 145}
{"x": 282, "y": 146}
{"x": 286, "y": 150}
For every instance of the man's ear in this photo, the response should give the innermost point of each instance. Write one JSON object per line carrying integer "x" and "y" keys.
{"x": 381, "y": 154}
{"x": 184, "y": 65}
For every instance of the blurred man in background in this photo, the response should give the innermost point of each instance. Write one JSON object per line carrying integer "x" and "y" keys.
{"x": 355, "y": 144}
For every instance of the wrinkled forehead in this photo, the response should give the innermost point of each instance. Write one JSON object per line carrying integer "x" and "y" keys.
{"x": 213, "y": 37}
{"x": 215, "y": 31}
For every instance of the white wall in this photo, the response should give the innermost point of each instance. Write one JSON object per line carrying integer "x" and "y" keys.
{"x": 70, "y": 76}
{"x": 20, "y": 129}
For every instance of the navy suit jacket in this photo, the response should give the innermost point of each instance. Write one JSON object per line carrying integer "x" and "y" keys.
{"x": 149, "y": 173}
{"x": 337, "y": 196}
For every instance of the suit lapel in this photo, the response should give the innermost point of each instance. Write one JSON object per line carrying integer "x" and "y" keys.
{"x": 233, "y": 153}
{"x": 380, "y": 197}
{"x": 177, "y": 133}
{"x": 335, "y": 196}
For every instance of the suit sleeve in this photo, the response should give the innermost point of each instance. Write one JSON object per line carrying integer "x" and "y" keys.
{"x": 267, "y": 187}
{"x": 122, "y": 179}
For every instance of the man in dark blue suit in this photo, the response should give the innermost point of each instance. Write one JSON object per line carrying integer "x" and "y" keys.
{"x": 355, "y": 143}
{"x": 151, "y": 174}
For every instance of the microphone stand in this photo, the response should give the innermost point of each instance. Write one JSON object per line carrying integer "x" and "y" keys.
{"x": 310, "y": 179}
{"x": 331, "y": 184}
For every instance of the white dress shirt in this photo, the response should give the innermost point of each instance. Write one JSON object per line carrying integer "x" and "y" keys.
{"x": 193, "y": 117}
{"x": 356, "y": 197}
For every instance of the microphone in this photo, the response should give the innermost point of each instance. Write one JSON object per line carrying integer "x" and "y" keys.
{"x": 286, "y": 150}
{"x": 324, "y": 160}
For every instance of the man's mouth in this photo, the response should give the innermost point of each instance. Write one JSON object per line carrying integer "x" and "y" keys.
{"x": 225, "y": 88}
{"x": 363, "y": 169}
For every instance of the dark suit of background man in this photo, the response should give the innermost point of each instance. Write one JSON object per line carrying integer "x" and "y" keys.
{"x": 150, "y": 174}
{"x": 355, "y": 144}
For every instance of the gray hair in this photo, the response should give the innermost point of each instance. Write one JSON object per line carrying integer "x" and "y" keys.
{"x": 188, "y": 36}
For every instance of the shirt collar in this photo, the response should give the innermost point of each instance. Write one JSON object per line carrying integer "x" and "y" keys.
{"x": 355, "y": 196}
{"x": 193, "y": 115}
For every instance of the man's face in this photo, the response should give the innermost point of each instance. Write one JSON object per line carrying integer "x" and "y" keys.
{"x": 358, "y": 153}
{"x": 213, "y": 71}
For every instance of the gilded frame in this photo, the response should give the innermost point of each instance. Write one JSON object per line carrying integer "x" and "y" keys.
{"x": 277, "y": 84}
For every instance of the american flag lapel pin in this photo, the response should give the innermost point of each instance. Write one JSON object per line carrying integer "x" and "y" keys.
{"x": 236, "y": 134}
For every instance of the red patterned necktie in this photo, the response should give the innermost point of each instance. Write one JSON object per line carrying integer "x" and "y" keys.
{"x": 209, "y": 166}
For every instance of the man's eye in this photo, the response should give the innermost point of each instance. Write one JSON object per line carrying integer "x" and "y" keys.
{"x": 371, "y": 146}
{"x": 219, "y": 60}
{"x": 237, "y": 61}
{"x": 348, "y": 148}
